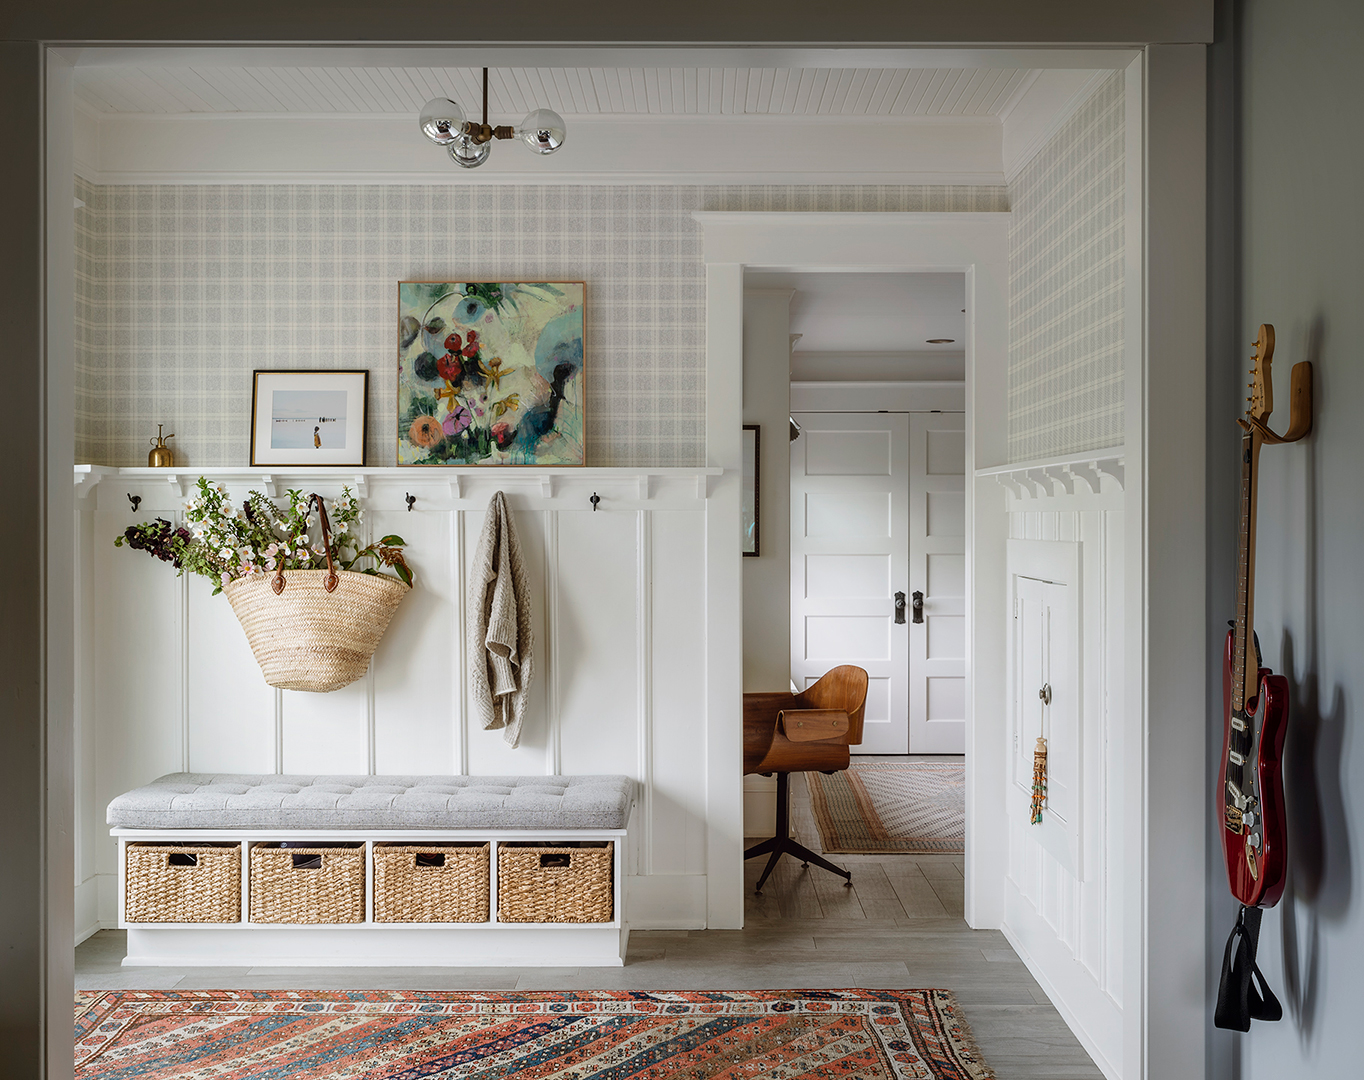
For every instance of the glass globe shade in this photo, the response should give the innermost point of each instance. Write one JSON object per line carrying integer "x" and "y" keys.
{"x": 468, "y": 154}
{"x": 441, "y": 120}
{"x": 542, "y": 130}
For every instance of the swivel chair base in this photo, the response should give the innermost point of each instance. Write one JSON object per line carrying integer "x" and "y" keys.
{"x": 782, "y": 844}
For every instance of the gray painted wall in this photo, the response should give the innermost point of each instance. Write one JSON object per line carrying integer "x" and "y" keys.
{"x": 1302, "y": 268}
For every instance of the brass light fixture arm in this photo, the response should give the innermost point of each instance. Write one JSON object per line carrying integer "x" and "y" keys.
{"x": 481, "y": 133}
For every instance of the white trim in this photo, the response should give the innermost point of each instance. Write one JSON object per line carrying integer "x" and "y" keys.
{"x": 877, "y": 396}
{"x": 977, "y": 245}
{"x": 1037, "y": 117}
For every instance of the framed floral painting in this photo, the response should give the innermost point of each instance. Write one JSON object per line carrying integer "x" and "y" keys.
{"x": 490, "y": 373}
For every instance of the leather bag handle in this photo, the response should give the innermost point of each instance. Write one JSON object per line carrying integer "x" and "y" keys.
{"x": 329, "y": 582}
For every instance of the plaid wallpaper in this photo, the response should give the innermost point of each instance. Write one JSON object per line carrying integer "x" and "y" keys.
{"x": 184, "y": 290}
{"x": 1066, "y": 287}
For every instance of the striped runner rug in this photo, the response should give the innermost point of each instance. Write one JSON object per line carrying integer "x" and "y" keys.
{"x": 878, "y": 807}
{"x": 463, "y": 1035}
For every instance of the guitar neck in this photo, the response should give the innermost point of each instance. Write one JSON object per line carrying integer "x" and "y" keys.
{"x": 1245, "y": 670}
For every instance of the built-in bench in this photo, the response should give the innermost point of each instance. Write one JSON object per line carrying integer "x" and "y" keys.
{"x": 277, "y": 870}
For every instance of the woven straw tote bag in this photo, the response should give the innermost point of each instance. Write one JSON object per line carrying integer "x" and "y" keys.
{"x": 315, "y": 629}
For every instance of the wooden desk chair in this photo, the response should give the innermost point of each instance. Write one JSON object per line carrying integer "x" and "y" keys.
{"x": 806, "y": 732}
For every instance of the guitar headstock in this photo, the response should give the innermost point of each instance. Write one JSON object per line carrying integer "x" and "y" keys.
{"x": 1261, "y": 400}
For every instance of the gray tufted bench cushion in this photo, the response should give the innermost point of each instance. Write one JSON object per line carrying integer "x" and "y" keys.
{"x": 246, "y": 801}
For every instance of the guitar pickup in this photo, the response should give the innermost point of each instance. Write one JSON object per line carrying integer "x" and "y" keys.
{"x": 1237, "y": 724}
{"x": 1235, "y": 758}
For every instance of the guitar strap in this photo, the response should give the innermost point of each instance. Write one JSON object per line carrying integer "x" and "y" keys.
{"x": 1243, "y": 995}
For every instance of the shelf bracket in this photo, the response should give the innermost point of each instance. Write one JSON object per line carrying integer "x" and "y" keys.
{"x": 362, "y": 486}
{"x": 181, "y": 482}
{"x": 1040, "y": 481}
{"x": 546, "y": 487}
{"x": 1061, "y": 475}
{"x": 1113, "y": 467}
{"x": 268, "y": 482}
{"x": 702, "y": 486}
{"x": 642, "y": 481}
{"x": 1006, "y": 480}
{"x": 456, "y": 484}
{"x": 1087, "y": 472}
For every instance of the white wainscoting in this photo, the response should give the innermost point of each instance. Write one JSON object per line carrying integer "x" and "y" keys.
{"x": 166, "y": 681}
{"x": 1068, "y": 926}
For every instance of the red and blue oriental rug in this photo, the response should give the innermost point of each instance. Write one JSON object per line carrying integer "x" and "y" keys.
{"x": 468, "y": 1035}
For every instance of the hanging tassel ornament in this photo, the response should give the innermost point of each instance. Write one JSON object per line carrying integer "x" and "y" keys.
{"x": 1039, "y": 779}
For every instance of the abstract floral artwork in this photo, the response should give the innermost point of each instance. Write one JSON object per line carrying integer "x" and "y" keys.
{"x": 490, "y": 373}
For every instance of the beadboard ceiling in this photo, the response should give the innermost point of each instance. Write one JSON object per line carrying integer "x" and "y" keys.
{"x": 573, "y": 91}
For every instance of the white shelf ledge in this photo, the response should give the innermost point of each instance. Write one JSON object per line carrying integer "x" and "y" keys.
{"x": 452, "y": 483}
{"x": 1041, "y": 478}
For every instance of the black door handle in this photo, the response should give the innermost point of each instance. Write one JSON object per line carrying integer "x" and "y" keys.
{"x": 918, "y": 606}
{"x": 899, "y": 607}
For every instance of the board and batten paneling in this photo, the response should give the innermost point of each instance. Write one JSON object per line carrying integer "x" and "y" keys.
{"x": 169, "y": 683}
{"x": 1067, "y": 926}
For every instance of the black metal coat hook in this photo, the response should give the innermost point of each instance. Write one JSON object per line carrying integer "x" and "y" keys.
{"x": 410, "y": 500}
{"x": 135, "y": 500}
{"x": 594, "y": 500}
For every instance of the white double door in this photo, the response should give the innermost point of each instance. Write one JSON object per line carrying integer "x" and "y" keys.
{"x": 878, "y": 513}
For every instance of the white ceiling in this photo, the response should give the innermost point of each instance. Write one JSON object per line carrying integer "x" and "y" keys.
{"x": 152, "y": 89}
{"x": 873, "y": 326}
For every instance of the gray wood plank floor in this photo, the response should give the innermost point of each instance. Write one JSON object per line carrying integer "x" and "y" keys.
{"x": 899, "y": 926}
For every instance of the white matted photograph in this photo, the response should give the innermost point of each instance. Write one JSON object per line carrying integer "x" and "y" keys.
{"x": 309, "y": 417}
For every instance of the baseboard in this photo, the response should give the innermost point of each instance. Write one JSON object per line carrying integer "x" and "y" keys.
{"x": 1110, "y": 1069}
{"x": 666, "y": 902}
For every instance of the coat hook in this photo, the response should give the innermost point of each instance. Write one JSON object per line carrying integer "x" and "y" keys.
{"x": 410, "y": 500}
{"x": 135, "y": 500}
{"x": 594, "y": 500}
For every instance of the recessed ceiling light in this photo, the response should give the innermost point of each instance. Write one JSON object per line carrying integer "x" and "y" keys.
{"x": 941, "y": 341}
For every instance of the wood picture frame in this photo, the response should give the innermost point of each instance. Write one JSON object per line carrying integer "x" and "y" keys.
{"x": 750, "y": 489}
{"x": 308, "y": 417}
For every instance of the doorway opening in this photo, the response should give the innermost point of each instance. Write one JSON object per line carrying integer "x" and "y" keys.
{"x": 875, "y": 567}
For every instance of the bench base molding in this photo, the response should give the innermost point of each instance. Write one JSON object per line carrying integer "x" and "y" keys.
{"x": 364, "y": 945}
{"x": 369, "y": 943}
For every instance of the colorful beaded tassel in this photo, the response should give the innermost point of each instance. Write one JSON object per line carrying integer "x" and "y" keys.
{"x": 1039, "y": 779}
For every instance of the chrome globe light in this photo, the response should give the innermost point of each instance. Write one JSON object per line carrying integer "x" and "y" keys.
{"x": 470, "y": 143}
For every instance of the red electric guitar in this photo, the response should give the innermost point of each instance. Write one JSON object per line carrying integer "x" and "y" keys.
{"x": 1254, "y": 838}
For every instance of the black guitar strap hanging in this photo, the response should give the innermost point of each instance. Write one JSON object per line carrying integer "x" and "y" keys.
{"x": 1243, "y": 995}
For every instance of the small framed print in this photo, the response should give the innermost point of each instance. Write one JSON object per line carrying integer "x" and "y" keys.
{"x": 749, "y": 489}
{"x": 309, "y": 417}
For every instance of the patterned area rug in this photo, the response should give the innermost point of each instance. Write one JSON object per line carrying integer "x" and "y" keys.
{"x": 592, "y": 1035}
{"x": 911, "y": 807}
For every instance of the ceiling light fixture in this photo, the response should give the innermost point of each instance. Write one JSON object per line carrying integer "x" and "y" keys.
{"x": 941, "y": 341}
{"x": 469, "y": 143}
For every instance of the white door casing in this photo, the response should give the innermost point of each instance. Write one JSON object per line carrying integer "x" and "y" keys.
{"x": 849, "y": 555}
{"x": 937, "y": 569}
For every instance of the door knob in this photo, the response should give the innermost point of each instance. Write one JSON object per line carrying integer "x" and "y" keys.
{"x": 918, "y": 606}
{"x": 899, "y": 607}
{"x": 1045, "y": 693}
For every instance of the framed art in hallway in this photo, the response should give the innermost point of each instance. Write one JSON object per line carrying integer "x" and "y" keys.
{"x": 491, "y": 373}
{"x": 309, "y": 417}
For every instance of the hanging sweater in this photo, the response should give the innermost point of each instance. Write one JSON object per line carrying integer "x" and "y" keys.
{"x": 499, "y": 633}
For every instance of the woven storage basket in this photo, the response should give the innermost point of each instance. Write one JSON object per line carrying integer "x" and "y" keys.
{"x": 185, "y": 883}
{"x": 306, "y": 638}
{"x": 555, "y": 883}
{"x": 437, "y": 883}
{"x": 307, "y": 884}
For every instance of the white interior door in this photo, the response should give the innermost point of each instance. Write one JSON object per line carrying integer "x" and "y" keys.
{"x": 937, "y": 569}
{"x": 849, "y": 555}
